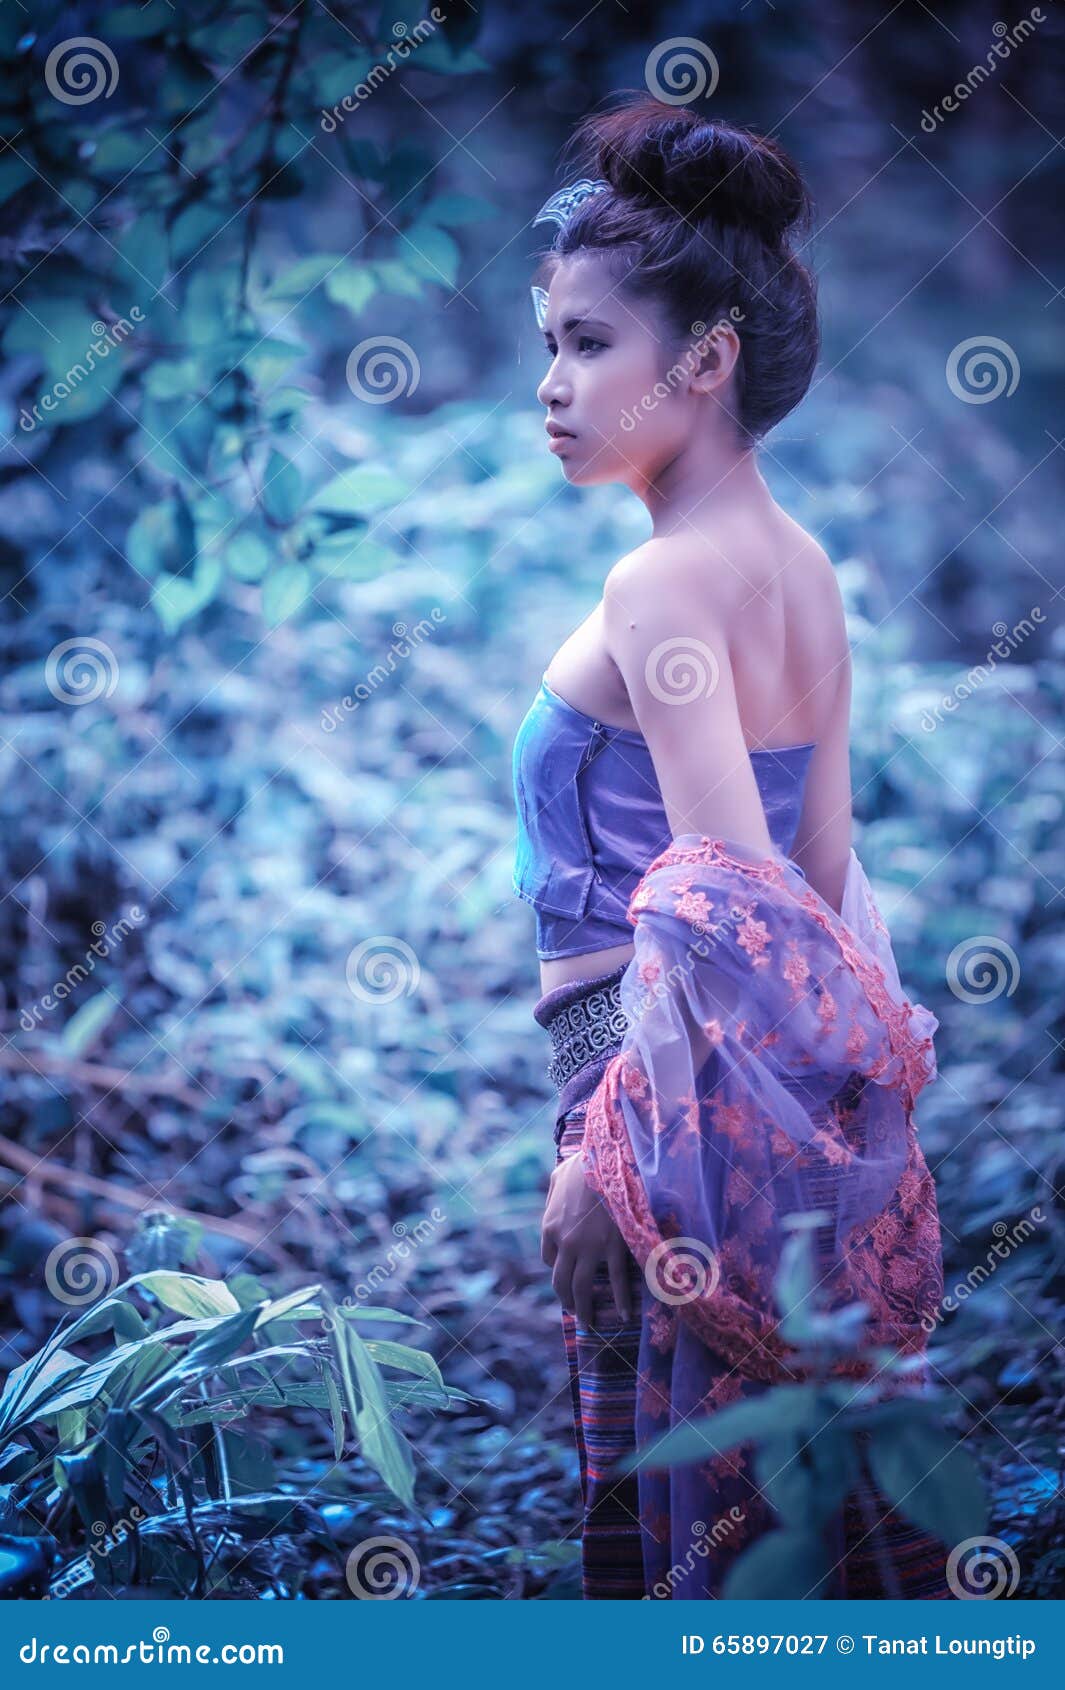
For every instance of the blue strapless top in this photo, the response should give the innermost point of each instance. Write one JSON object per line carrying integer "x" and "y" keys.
{"x": 591, "y": 819}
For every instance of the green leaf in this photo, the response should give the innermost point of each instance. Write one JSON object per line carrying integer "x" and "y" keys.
{"x": 13, "y": 174}
{"x": 782, "y": 1564}
{"x": 336, "y": 1411}
{"x": 284, "y": 592}
{"x": 929, "y": 1477}
{"x": 389, "y": 1354}
{"x": 184, "y": 85}
{"x": 16, "y": 1460}
{"x": 360, "y": 491}
{"x": 366, "y": 1312}
{"x": 301, "y": 278}
{"x": 345, "y": 556}
{"x": 78, "y": 380}
{"x": 430, "y": 252}
{"x": 118, "y": 151}
{"x": 185, "y": 1293}
{"x": 353, "y": 285}
{"x": 142, "y": 259}
{"x": 113, "y": 1314}
{"x": 270, "y": 358}
{"x": 282, "y": 490}
{"x": 394, "y": 277}
{"x": 296, "y": 1303}
{"x": 402, "y": 1393}
{"x": 83, "y": 1472}
{"x": 70, "y": 1427}
{"x": 87, "y": 1023}
{"x": 247, "y": 557}
{"x": 806, "y": 1480}
{"x": 207, "y": 312}
{"x": 104, "y": 1373}
{"x": 229, "y": 40}
{"x": 28, "y": 1383}
{"x": 203, "y": 1356}
{"x": 193, "y": 229}
{"x": 283, "y": 406}
{"x": 152, "y": 18}
{"x": 367, "y": 1404}
{"x": 785, "y": 1408}
{"x": 336, "y": 76}
{"x": 384, "y": 1447}
{"x": 162, "y": 538}
{"x": 171, "y": 378}
{"x": 177, "y": 597}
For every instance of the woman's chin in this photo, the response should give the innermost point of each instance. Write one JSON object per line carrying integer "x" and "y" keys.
{"x": 582, "y": 470}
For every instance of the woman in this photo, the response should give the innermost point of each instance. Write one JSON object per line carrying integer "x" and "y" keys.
{"x": 730, "y": 1042}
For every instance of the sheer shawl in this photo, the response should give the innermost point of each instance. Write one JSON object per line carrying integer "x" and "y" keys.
{"x": 770, "y": 1068}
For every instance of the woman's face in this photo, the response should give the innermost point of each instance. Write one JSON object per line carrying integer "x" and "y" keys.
{"x": 607, "y": 381}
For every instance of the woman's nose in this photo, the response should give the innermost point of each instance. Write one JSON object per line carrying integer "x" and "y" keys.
{"x": 552, "y": 390}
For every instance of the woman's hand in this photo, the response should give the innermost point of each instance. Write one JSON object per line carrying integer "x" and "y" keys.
{"x": 576, "y": 1235}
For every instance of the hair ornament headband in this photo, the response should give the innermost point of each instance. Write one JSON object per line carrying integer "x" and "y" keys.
{"x": 558, "y": 209}
{"x": 539, "y": 299}
{"x": 561, "y": 206}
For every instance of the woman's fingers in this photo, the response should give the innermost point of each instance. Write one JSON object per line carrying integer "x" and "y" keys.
{"x": 584, "y": 1291}
{"x": 617, "y": 1261}
{"x": 562, "y": 1280}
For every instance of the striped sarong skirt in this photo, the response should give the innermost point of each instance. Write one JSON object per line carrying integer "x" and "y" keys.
{"x": 881, "y": 1554}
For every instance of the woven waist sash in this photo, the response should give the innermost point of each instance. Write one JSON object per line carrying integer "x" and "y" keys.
{"x": 586, "y": 1024}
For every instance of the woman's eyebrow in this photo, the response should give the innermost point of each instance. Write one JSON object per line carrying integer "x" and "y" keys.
{"x": 578, "y": 322}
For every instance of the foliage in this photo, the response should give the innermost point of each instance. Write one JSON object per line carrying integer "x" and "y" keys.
{"x": 322, "y": 617}
{"x": 162, "y": 314}
{"x": 153, "y": 1428}
{"x": 818, "y": 1441}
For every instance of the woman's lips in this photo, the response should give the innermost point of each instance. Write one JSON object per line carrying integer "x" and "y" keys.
{"x": 557, "y": 437}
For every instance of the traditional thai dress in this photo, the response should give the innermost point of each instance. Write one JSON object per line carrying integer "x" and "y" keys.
{"x": 755, "y": 1063}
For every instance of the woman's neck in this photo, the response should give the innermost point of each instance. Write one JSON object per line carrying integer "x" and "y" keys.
{"x": 701, "y": 485}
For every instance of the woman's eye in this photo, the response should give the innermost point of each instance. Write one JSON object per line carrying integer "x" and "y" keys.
{"x": 585, "y": 340}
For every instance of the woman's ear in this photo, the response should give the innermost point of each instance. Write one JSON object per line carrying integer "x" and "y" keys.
{"x": 714, "y": 358}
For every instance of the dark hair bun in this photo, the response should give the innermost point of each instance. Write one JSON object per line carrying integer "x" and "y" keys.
{"x": 699, "y": 221}
{"x": 652, "y": 153}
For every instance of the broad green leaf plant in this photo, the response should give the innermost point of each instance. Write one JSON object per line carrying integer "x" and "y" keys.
{"x": 147, "y": 1431}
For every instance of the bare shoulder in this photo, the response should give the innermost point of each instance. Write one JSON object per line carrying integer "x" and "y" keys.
{"x": 686, "y": 577}
{"x": 665, "y": 580}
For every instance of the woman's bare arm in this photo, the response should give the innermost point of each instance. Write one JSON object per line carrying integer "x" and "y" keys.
{"x": 822, "y": 844}
{"x": 671, "y": 647}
